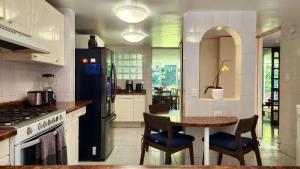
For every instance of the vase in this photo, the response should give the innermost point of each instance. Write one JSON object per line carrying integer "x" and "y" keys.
{"x": 92, "y": 42}
{"x": 217, "y": 94}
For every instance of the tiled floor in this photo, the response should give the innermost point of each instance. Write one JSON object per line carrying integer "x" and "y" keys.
{"x": 127, "y": 152}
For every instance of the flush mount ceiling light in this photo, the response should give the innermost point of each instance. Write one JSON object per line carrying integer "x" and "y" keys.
{"x": 132, "y": 13}
{"x": 133, "y": 36}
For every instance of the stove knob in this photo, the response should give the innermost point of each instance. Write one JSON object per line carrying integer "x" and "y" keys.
{"x": 40, "y": 126}
{"x": 56, "y": 118}
{"x": 53, "y": 120}
{"x": 29, "y": 130}
{"x": 49, "y": 122}
{"x": 45, "y": 124}
{"x": 60, "y": 117}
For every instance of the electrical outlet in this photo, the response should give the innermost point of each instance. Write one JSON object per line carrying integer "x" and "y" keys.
{"x": 94, "y": 151}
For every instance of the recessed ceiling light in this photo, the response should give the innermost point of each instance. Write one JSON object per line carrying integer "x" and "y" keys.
{"x": 133, "y": 36}
{"x": 131, "y": 13}
{"x": 219, "y": 28}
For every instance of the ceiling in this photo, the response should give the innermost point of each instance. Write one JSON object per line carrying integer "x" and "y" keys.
{"x": 164, "y": 26}
{"x": 272, "y": 40}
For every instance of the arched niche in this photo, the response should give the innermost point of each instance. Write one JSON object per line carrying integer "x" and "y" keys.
{"x": 220, "y": 45}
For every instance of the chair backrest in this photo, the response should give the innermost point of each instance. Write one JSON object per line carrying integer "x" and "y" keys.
{"x": 156, "y": 108}
{"x": 246, "y": 125}
{"x": 157, "y": 123}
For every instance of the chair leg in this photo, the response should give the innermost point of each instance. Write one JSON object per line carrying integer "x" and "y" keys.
{"x": 143, "y": 154}
{"x": 257, "y": 154}
{"x": 191, "y": 154}
{"x": 220, "y": 158}
{"x": 203, "y": 159}
{"x": 147, "y": 148}
{"x": 168, "y": 158}
{"x": 241, "y": 159}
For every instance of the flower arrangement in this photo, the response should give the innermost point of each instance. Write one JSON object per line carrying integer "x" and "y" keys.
{"x": 222, "y": 69}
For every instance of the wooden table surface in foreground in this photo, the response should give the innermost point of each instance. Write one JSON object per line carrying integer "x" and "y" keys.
{"x": 144, "y": 167}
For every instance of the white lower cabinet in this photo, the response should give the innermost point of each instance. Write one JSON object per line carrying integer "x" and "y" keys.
{"x": 130, "y": 108}
{"x": 72, "y": 135}
{"x": 4, "y": 153}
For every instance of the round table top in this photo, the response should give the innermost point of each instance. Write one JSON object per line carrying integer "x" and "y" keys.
{"x": 208, "y": 121}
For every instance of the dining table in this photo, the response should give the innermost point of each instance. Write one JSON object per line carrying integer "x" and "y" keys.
{"x": 178, "y": 119}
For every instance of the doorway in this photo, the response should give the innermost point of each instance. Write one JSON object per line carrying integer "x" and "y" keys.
{"x": 269, "y": 87}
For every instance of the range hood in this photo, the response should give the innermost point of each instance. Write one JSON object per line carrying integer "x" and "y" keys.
{"x": 17, "y": 42}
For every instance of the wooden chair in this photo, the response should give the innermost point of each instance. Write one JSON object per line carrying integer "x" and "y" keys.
{"x": 236, "y": 145}
{"x": 163, "y": 107}
{"x": 156, "y": 108}
{"x": 166, "y": 140}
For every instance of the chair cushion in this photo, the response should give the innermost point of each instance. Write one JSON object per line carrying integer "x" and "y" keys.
{"x": 178, "y": 139}
{"x": 227, "y": 141}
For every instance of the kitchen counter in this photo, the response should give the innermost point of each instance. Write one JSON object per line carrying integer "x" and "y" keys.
{"x": 145, "y": 167}
{"x": 123, "y": 92}
{"x": 7, "y": 133}
{"x": 72, "y": 106}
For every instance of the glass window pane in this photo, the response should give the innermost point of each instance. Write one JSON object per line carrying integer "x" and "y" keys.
{"x": 276, "y": 73}
{"x": 125, "y": 76}
{"x": 139, "y": 63}
{"x": 276, "y": 83}
{"x": 126, "y": 56}
{"x": 120, "y": 76}
{"x": 139, "y": 56}
{"x": 139, "y": 76}
{"x": 139, "y": 70}
{"x": 132, "y": 76}
{"x": 133, "y": 56}
{"x": 276, "y": 54}
{"x": 133, "y": 63}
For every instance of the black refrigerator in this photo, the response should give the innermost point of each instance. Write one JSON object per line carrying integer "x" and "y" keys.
{"x": 96, "y": 80}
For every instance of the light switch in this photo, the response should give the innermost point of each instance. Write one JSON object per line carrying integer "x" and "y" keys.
{"x": 195, "y": 92}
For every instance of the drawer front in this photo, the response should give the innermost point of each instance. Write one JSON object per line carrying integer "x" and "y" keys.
{"x": 4, "y": 147}
{"x": 124, "y": 97}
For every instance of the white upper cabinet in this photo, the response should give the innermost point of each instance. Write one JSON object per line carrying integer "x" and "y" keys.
{"x": 49, "y": 32}
{"x": 42, "y": 22}
{"x": 18, "y": 15}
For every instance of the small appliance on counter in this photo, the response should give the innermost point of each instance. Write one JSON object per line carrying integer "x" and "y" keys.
{"x": 48, "y": 81}
{"x": 37, "y": 98}
{"x": 139, "y": 87}
{"x": 129, "y": 86}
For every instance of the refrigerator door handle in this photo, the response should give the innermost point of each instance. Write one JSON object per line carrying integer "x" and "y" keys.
{"x": 114, "y": 83}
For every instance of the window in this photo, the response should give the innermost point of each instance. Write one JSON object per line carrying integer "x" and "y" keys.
{"x": 129, "y": 66}
{"x": 165, "y": 68}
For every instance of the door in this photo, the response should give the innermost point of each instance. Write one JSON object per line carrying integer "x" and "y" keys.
{"x": 275, "y": 91}
{"x": 18, "y": 15}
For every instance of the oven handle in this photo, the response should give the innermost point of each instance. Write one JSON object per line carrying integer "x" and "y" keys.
{"x": 33, "y": 142}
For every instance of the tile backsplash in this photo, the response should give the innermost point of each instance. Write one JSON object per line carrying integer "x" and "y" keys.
{"x": 17, "y": 78}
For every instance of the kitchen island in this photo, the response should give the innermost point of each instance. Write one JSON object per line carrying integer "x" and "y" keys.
{"x": 147, "y": 167}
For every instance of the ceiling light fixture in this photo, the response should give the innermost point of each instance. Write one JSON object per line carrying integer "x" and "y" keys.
{"x": 133, "y": 36}
{"x": 131, "y": 13}
{"x": 219, "y": 28}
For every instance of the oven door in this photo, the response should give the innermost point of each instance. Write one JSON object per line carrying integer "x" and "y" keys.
{"x": 27, "y": 152}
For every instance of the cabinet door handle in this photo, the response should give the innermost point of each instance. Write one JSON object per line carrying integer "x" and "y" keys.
{"x": 57, "y": 61}
{"x": 10, "y": 21}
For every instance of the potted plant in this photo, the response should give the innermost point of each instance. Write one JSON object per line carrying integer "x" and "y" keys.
{"x": 216, "y": 89}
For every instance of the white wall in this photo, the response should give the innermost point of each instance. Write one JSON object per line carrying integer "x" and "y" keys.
{"x": 16, "y": 78}
{"x": 65, "y": 76}
{"x": 289, "y": 84}
{"x": 196, "y": 24}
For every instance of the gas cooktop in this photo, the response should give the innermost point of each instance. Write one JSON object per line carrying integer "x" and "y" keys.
{"x": 16, "y": 116}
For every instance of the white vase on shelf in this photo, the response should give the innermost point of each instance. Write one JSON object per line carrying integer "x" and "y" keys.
{"x": 217, "y": 94}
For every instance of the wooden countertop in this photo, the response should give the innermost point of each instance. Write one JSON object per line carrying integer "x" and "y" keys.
{"x": 177, "y": 119}
{"x": 72, "y": 106}
{"x": 147, "y": 167}
{"x": 123, "y": 92}
{"x": 7, "y": 132}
